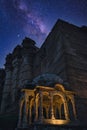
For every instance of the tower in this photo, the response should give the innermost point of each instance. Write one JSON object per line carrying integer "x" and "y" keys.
{"x": 19, "y": 70}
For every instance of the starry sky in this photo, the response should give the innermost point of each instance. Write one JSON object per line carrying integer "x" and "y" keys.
{"x": 35, "y": 19}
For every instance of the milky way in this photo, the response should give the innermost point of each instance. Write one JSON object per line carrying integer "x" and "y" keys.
{"x": 33, "y": 23}
{"x": 28, "y": 17}
{"x": 35, "y": 19}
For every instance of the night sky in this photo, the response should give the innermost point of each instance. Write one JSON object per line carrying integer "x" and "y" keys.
{"x": 35, "y": 19}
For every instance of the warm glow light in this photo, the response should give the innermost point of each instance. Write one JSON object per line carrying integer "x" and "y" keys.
{"x": 46, "y": 101}
{"x": 56, "y": 122}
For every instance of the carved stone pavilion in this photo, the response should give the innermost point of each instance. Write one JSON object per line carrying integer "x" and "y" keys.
{"x": 46, "y": 105}
{"x": 46, "y": 88}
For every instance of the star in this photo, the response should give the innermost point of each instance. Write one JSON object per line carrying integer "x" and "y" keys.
{"x": 18, "y": 35}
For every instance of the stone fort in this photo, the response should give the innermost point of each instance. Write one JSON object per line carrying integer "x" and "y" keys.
{"x": 46, "y": 85}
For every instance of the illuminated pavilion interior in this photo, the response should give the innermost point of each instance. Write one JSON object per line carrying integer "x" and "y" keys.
{"x": 46, "y": 105}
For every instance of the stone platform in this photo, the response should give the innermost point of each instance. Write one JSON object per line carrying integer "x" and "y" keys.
{"x": 54, "y": 127}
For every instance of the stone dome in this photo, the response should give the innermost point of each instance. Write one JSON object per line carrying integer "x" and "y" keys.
{"x": 47, "y": 80}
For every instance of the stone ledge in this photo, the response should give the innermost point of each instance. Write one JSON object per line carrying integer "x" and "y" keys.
{"x": 54, "y": 127}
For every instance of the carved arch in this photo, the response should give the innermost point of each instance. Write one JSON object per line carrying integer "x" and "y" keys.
{"x": 59, "y": 87}
{"x": 63, "y": 97}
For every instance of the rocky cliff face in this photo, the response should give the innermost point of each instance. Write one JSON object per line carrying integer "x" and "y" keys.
{"x": 18, "y": 68}
{"x": 64, "y": 53}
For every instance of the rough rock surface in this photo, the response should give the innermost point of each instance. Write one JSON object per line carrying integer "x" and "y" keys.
{"x": 63, "y": 53}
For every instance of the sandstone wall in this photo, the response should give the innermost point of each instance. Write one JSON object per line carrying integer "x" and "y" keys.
{"x": 51, "y": 58}
{"x": 19, "y": 70}
{"x": 75, "y": 44}
{"x": 64, "y": 52}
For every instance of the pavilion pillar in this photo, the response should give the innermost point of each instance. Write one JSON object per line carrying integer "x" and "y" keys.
{"x": 73, "y": 105}
{"x": 25, "y": 121}
{"x": 30, "y": 114}
{"x": 55, "y": 113}
{"x": 51, "y": 105}
{"x": 66, "y": 110}
{"x": 41, "y": 106}
{"x": 30, "y": 110}
{"x": 36, "y": 109}
{"x": 20, "y": 113}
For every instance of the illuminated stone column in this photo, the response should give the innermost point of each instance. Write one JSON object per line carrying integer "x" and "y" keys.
{"x": 20, "y": 113}
{"x": 30, "y": 110}
{"x": 51, "y": 105}
{"x": 55, "y": 111}
{"x": 66, "y": 110}
{"x": 25, "y": 119}
{"x": 73, "y": 105}
{"x": 41, "y": 106}
{"x": 30, "y": 114}
{"x": 36, "y": 109}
